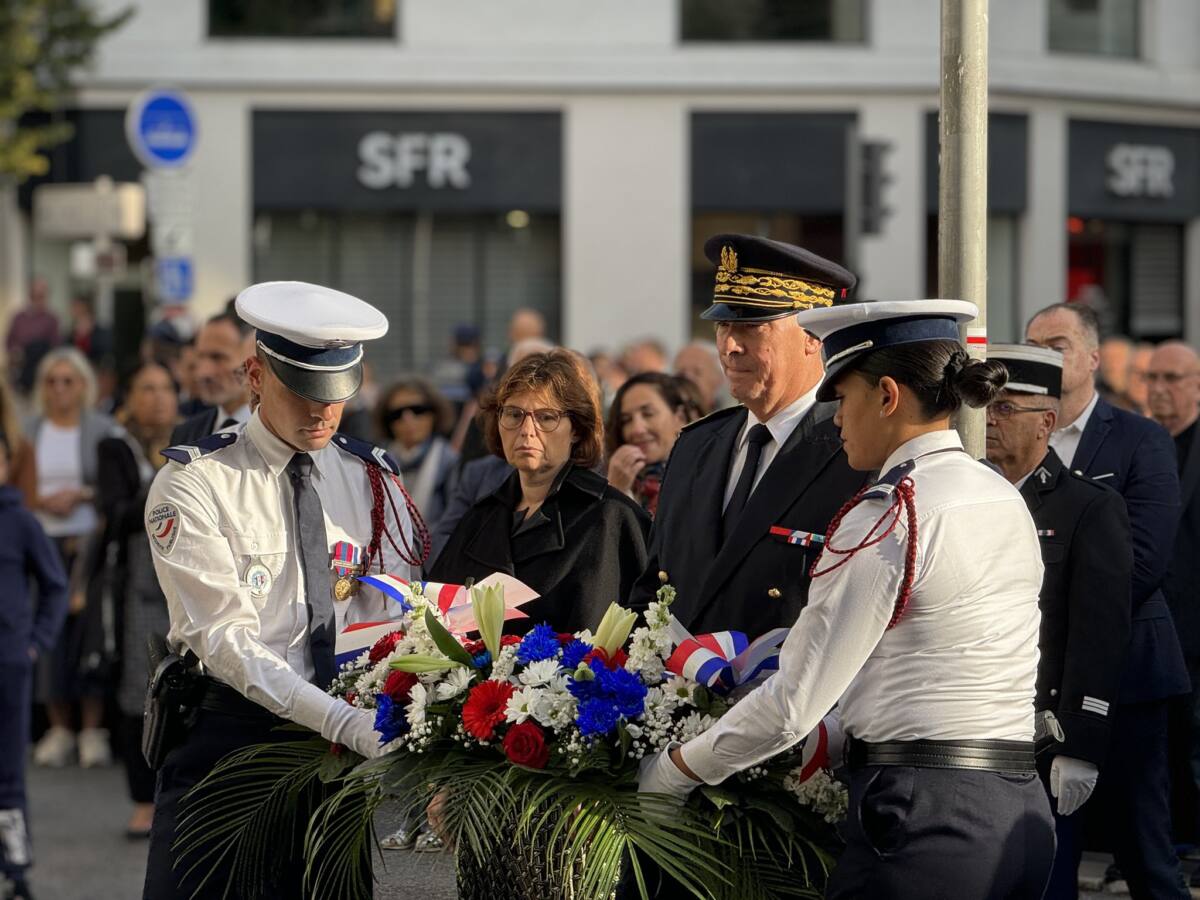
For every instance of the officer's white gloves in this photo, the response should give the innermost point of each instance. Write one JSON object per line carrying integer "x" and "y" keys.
{"x": 1071, "y": 782}
{"x": 336, "y": 720}
{"x": 658, "y": 774}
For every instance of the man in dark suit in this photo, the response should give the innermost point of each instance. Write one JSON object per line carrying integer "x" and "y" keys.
{"x": 1135, "y": 457}
{"x": 1084, "y": 534}
{"x": 1173, "y": 383}
{"x": 749, "y": 491}
{"x": 222, "y": 346}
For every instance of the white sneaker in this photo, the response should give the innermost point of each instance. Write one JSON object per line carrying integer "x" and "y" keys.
{"x": 56, "y": 748}
{"x": 94, "y": 750}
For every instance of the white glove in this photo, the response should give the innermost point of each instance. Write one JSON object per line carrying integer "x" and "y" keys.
{"x": 658, "y": 774}
{"x": 1072, "y": 782}
{"x": 359, "y": 734}
{"x": 336, "y": 720}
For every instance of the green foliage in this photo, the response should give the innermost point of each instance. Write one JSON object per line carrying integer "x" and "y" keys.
{"x": 446, "y": 642}
{"x": 42, "y": 44}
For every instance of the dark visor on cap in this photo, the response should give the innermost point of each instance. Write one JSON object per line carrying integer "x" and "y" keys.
{"x": 323, "y": 387}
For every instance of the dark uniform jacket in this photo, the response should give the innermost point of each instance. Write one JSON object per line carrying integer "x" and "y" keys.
{"x": 1086, "y": 548}
{"x": 583, "y": 550}
{"x": 1136, "y": 457}
{"x": 756, "y": 580}
{"x": 1182, "y": 585}
{"x": 191, "y": 429}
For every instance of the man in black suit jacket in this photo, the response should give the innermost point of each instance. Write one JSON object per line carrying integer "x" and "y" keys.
{"x": 1135, "y": 457}
{"x": 222, "y": 346}
{"x": 1084, "y": 534}
{"x": 1173, "y": 382}
{"x": 749, "y": 491}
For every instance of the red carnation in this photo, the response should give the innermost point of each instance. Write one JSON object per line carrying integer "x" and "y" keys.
{"x": 564, "y": 638}
{"x": 399, "y": 685}
{"x": 474, "y": 647}
{"x": 484, "y": 709}
{"x": 385, "y": 645}
{"x": 507, "y": 640}
{"x": 618, "y": 659}
{"x": 525, "y": 745}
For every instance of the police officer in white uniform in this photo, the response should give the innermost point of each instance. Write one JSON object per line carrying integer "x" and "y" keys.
{"x": 922, "y": 621}
{"x": 257, "y": 534}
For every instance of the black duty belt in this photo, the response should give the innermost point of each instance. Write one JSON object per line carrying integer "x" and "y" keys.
{"x": 1009, "y": 757}
{"x": 218, "y": 697}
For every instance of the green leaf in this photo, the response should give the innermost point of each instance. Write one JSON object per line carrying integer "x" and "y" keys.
{"x": 446, "y": 642}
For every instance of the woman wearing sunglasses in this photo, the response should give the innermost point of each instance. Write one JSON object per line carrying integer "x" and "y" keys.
{"x": 413, "y": 417}
{"x": 554, "y": 524}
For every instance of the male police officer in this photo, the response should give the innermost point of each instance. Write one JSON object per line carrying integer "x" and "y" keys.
{"x": 750, "y": 490}
{"x": 1087, "y": 551}
{"x": 257, "y": 533}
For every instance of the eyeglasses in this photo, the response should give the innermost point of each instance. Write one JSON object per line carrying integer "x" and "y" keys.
{"x": 1003, "y": 409}
{"x": 544, "y": 420}
{"x": 59, "y": 380}
{"x": 416, "y": 409}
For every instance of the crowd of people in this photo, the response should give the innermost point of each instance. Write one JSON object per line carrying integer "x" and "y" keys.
{"x": 552, "y": 465}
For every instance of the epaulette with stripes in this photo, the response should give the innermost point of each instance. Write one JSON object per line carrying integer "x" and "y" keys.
{"x": 188, "y": 453}
{"x": 367, "y": 452}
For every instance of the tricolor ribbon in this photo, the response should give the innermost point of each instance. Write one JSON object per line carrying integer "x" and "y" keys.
{"x": 724, "y": 660}
{"x": 346, "y": 558}
{"x": 454, "y": 600}
{"x": 359, "y": 637}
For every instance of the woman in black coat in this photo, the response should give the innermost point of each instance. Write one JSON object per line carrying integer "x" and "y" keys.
{"x": 554, "y": 524}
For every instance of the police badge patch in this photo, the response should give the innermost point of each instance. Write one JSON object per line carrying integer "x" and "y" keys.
{"x": 162, "y": 524}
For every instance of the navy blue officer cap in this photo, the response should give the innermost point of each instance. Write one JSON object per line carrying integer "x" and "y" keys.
{"x": 853, "y": 330}
{"x": 759, "y": 279}
{"x": 311, "y": 336}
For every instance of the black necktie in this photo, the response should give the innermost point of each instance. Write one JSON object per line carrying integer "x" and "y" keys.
{"x": 314, "y": 563}
{"x": 758, "y": 436}
{"x": 228, "y": 423}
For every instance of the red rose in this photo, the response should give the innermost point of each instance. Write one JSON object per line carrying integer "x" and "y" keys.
{"x": 564, "y": 638}
{"x": 399, "y": 685}
{"x": 525, "y": 745}
{"x": 385, "y": 645}
{"x": 508, "y": 640}
{"x": 484, "y": 709}
{"x": 474, "y": 647}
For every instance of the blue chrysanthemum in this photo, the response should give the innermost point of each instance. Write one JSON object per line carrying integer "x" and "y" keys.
{"x": 574, "y": 653}
{"x": 596, "y": 716}
{"x": 390, "y": 720}
{"x": 624, "y": 689}
{"x": 482, "y": 659}
{"x": 538, "y": 644}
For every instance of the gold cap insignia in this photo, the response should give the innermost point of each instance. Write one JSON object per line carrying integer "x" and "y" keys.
{"x": 728, "y": 259}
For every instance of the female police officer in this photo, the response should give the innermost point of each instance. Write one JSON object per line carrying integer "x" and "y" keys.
{"x": 922, "y": 618}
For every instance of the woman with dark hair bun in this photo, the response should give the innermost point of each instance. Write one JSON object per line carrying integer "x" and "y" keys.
{"x": 922, "y": 626}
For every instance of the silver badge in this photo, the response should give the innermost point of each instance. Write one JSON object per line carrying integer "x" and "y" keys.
{"x": 258, "y": 578}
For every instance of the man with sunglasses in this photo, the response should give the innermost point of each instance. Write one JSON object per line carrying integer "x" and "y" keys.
{"x": 1084, "y": 535}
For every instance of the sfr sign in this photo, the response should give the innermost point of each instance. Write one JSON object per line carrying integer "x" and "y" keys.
{"x": 397, "y": 160}
{"x": 1141, "y": 170}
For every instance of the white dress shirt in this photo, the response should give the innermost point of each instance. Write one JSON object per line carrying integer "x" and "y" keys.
{"x": 235, "y": 513}
{"x": 781, "y": 425}
{"x": 1065, "y": 440}
{"x": 959, "y": 665}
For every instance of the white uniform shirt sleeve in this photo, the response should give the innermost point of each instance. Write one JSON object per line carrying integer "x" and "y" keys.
{"x": 215, "y": 614}
{"x": 847, "y": 614}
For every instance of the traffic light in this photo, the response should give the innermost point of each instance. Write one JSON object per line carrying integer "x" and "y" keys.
{"x": 874, "y": 179}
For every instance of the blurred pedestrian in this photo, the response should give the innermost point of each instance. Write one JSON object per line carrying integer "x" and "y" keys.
{"x": 700, "y": 363}
{"x": 222, "y": 346}
{"x": 1173, "y": 383}
{"x": 414, "y": 417}
{"x": 1116, "y": 359}
{"x": 1139, "y": 387}
{"x": 554, "y": 524}
{"x": 85, "y": 334}
{"x": 646, "y": 355}
{"x": 65, "y": 432}
{"x": 1083, "y": 531}
{"x": 1135, "y": 457}
{"x": 526, "y": 324}
{"x": 452, "y": 374}
{"x": 21, "y": 465}
{"x": 32, "y": 332}
{"x": 30, "y": 632}
{"x": 128, "y": 461}
{"x": 646, "y": 417}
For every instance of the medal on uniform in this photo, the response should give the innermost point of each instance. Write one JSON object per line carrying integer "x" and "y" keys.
{"x": 258, "y": 579}
{"x": 346, "y": 564}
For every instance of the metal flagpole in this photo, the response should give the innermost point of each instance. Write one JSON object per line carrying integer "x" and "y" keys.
{"x": 962, "y": 180}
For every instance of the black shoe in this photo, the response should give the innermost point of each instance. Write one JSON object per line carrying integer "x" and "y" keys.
{"x": 16, "y": 890}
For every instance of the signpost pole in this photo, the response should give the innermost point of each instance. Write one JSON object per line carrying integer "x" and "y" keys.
{"x": 962, "y": 180}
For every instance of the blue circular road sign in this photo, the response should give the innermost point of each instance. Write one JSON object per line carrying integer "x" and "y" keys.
{"x": 161, "y": 128}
